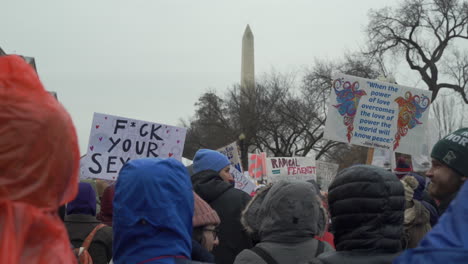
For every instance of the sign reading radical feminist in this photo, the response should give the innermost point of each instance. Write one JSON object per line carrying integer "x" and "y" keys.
{"x": 290, "y": 168}
{"x": 377, "y": 114}
{"x": 115, "y": 140}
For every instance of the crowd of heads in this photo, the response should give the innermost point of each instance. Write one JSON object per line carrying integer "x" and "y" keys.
{"x": 159, "y": 211}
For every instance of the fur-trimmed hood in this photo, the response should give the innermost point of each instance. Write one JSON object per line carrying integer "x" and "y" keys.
{"x": 288, "y": 212}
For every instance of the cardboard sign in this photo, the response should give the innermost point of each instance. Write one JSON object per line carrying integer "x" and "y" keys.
{"x": 326, "y": 173}
{"x": 231, "y": 151}
{"x": 83, "y": 175}
{"x": 115, "y": 140}
{"x": 243, "y": 183}
{"x": 257, "y": 165}
{"x": 377, "y": 114}
{"x": 291, "y": 168}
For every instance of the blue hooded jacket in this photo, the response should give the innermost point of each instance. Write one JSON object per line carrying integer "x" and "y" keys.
{"x": 153, "y": 210}
{"x": 447, "y": 242}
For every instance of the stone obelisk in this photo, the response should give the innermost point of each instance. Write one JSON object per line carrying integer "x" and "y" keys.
{"x": 247, "y": 96}
{"x": 248, "y": 61}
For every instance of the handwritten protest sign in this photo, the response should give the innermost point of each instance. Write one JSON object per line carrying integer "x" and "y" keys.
{"x": 115, "y": 140}
{"x": 291, "y": 168}
{"x": 377, "y": 114}
{"x": 326, "y": 173}
{"x": 83, "y": 175}
{"x": 231, "y": 151}
{"x": 257, "y": 166}
{"x": 242, "y": 182}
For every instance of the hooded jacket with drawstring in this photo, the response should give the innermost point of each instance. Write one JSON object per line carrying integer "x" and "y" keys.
{"x": 285, "y": 218}
{"x": 153, "y": 210}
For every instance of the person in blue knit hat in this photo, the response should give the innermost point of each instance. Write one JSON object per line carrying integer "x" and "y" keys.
{"x": 207, "y": 159}
{"x": 213, "y": 183}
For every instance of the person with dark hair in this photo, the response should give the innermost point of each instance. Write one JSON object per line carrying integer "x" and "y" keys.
{"x": 153, "y": 210}
{"x": 285, "y": 217}
{"x": 214, "y": 184}
{"x": 106, "y": 213}
{"x": 367, "y": 206}
{"x": 205, "y": 231}
{"x": 449, "y": 168}
{"x": 39, "y": 168}
{"x": 81, "y": 221}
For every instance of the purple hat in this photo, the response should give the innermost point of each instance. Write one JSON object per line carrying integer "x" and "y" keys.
{"x": 84, "y": 202}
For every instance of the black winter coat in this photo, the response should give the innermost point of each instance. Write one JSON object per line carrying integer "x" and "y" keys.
{"x": 79, "y": 226}
{"x": 229, "y": 203}
{"x": 367, "y": 207}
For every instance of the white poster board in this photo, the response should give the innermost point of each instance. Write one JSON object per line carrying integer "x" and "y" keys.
{"x": 115, "y": 140}
{"x": 326, "y": 173}
{"x": 377, "y": 114}
{"x": 231, "y": 151}
{"x": 290, "y": 168}
{"x": 242, "y": 182}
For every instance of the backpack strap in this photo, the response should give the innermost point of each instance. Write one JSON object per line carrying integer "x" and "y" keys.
{"x": 90, "y": 237}
{"x": 320, "y": 248}
{"x": 264, "y": 255}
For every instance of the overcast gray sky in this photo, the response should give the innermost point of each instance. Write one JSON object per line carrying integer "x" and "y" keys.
{"x": 152, "y": 59}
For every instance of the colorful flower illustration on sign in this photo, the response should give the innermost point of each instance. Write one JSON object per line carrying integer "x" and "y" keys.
{"x": 410, "y": 110}
{"x": 347, "y": 96}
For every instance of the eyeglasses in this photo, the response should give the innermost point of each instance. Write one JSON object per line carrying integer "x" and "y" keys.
{"x": 214, "y": 231}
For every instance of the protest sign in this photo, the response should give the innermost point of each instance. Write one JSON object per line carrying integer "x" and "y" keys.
{"x": 115, "y": 140}
{"x": 257, "y": 167}
{"x": 83, "y": 175}
{"x": 242, "y": 182}
{"x": 231, "y": 151}
{"x": 376, "y": 114}
{"x": 326, "y": 173}
{"x": 382, "y": 158}
{"x": 290, "y": 168}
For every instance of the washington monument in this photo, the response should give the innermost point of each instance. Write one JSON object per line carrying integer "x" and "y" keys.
{"x": 247, "y": 98}
{"x": 248, "y": 64}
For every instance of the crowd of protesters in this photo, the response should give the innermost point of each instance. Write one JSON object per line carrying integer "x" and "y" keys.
{"x": 159, "y": 211}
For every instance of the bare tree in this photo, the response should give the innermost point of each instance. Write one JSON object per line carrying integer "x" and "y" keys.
{"x": 285, "y": 120}
{"x": 210, "y": 127}
{"x": 449, "y": 113}
{"x": 425, "y": 32}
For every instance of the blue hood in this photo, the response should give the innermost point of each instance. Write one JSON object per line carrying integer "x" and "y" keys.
{"x": 447, "y": 242}
{"x": 153, "y": 209}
